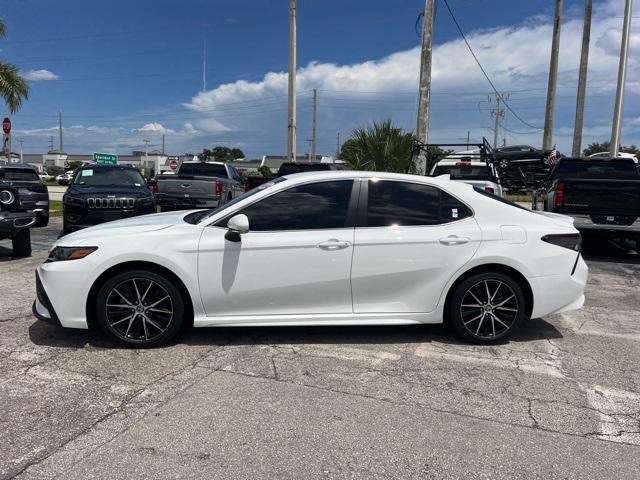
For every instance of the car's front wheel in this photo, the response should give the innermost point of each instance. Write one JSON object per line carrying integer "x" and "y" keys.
{"x": 487, "y": 307}
{"x": 140, "y": 308}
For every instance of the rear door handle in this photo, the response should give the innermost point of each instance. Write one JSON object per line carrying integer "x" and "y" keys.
{"x": 333, "y": 244}
{"x": 454, "y": 240}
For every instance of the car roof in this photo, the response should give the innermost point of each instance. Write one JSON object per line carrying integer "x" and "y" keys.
{"x": 354, "y": 174}
{"x": 16, "y": 165}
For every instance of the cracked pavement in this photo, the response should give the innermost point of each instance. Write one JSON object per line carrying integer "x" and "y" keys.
{"x": 561, "y": 399}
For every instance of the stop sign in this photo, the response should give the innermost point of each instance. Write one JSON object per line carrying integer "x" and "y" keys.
{"x": 6, "y": 125}
{"x": 174, "y": 165}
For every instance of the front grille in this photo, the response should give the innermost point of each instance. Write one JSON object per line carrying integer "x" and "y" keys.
{"x": 114, "y": 203}
{"x": 617, "y": 220}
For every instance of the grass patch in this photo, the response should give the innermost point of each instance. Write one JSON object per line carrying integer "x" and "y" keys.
{"x": 55, "y": 208}
{"x": 51, "y": 183}
{"x": 519, "y": 198}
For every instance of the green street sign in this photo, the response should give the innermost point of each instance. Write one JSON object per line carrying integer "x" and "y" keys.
{"x": 106, "y": 158}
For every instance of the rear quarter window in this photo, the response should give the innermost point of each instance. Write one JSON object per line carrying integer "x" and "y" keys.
{"x": 19, "y": 174}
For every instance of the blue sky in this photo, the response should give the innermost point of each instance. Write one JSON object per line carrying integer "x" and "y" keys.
{"x": 123, "y": 71}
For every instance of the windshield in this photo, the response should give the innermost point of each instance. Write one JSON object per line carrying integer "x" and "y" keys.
{"x": 612, "y": 169}
{"x": 201, "y": 169}
{"x": 21, "y": 174}
{"x": 107, "y": 177}
{"x": 253, "y": 191}
{"x": 464, "y": 171}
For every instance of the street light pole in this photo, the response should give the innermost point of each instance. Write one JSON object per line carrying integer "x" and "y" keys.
{"x": 291, "y": 127}
{"x": 622, "y": 73}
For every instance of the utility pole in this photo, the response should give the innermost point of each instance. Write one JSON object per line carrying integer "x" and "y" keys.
{"x": 204, "y": 66}
{"x": 163, "y": 143}
{"x": 582, "y": 81}
{"x": 468, "y": 136}
{"x": 60, "y": 130}
{"x": 338, "y": 145}
{"x": 547, "y": 137}
{"x": 146, "y": 152}
{"x": 498, "y": 113}
{"x": 424, "y": 96}
{"x": 50, "y": 143}
{"x": 21, "y": 156}
{"x": 622, "y": 73}
{"x": 314, "y": 138}
{"x": 310, "y": 141}
{"x": 291, "y": 127}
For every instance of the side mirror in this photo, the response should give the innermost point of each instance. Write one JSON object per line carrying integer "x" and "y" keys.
{"x": 237, "y": 225}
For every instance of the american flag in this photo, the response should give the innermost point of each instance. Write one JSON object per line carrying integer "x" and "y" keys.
{"x": 553, "y": 157}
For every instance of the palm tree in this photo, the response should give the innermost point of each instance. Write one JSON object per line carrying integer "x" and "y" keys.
{"x": 380, "y": 147}
{"x": 13, "y": 88}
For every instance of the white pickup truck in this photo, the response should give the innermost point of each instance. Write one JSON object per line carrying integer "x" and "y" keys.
{"x": 469, "y": 169}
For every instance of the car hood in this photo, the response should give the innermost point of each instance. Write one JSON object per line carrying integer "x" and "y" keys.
{"x": 128, "y": 226}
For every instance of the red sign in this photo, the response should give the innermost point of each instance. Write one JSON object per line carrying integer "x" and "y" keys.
{"x": 174, "y": 165}
{"x": 6, "y": 125}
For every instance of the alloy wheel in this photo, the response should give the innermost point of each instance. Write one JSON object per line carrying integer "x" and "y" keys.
{"x": 139, "y": 309}
{"x": 489, "y": 308}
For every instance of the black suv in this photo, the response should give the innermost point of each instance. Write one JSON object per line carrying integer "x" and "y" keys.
{"x": 102, "y": 193}
{"x": 24, "y": 203}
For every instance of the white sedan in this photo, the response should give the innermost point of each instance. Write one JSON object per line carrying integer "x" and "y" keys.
{"x": 321, "y": 248}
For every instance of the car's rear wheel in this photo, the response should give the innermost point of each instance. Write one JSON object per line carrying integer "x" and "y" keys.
{"x": 21, "y": 243}
{"x": 503, "y": 163}
{"x": 486, "y": 308}
{"x": 140, "y": 308}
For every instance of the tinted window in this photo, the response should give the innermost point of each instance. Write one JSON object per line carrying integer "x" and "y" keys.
{"x": 464, "y": 171}
{"x": 313, "y": 206}
{"x": 596, "y": 169}
{"x": 400, "y": 203}
{"x": 202, "y": 169}
{"x": 289, "y": 168}
{"x": 19, "y": 174}
{"x": 104, "y": 177}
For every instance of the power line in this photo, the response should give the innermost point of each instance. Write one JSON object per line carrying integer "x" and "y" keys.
{"x": 495, "y": 90}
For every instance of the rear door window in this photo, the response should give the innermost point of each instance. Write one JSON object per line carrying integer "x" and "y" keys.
{"x": 19, "y": 175}
{"x": 393, "y": 203}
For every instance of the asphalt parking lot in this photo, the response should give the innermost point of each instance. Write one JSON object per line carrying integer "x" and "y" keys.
{"x": 560, "y": 400}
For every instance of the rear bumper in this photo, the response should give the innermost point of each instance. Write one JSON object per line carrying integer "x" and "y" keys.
{"x": 584, "y": 222}
{"x": 559, "y": 293}
{"x": 186, "y": 203}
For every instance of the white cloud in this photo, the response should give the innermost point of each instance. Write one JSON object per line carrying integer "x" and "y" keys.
{"x": 154, "y": 127}
{"x": 516, "y": 58}
{"x": 40, "y": 75}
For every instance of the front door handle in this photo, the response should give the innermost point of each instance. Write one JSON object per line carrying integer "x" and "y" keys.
{"x": 454, "y": 240}
{"x": 333, "y": 244}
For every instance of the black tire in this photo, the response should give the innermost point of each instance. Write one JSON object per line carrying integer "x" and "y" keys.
{"x": 504, "y": 312}
{"x": 503, "y": 163}
{"x": 21, "y": 243}
{"x": 141, "y": 328}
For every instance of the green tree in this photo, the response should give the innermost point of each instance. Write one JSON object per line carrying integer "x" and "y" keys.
{"x": 13, "y": 88}
{"x": 236, "y": 153}
{"x": 380, "y": 147}
{"x": 265, "y": 171}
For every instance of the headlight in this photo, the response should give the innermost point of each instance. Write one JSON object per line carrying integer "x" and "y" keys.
{"x": 6, "y": 197}
{"x": 69, "y": 253}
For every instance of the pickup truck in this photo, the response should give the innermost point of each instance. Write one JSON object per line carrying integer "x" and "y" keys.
{"x": 603, "y": 196}
{"x": 467, "y": 168}
{"x": 197, "y": 185}
{"x": 288, "y": 169}
{"x": 24, "y": 203}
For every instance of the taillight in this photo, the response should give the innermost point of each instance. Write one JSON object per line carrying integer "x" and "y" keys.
{"x": 153, "y": 188}
{"x": 572, "y": 241}
{"x": 558, "y": 195}
{"x": 218, "y": 188}
{"x": 489, "y": 190}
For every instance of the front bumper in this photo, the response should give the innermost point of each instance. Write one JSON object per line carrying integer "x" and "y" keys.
{"x": 77, "y": 218}
{"x": 11, "y": 222}
{"x": 42, "y": 307}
